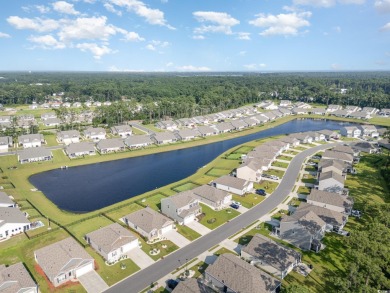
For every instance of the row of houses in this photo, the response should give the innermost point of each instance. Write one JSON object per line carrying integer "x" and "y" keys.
{"x": 327, "y": 206}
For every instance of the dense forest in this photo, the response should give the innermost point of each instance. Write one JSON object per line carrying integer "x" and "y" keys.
{"x": 174, "y": 95}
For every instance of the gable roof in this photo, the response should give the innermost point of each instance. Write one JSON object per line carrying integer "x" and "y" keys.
{"x": 333, "y": 175}
{"x": 181, "y": 199}
{"x": 327, "y": 215}
{"x": 148, "y": 219}
{"x": 271, "y": 252}
{"x": 206, "y": 130}
{"x": 12, "y": 215}
{"x": 61, "y": 256}
{"x": 121, "y": 128}
{"x": 161, "y": 136}
{"x": 344, "y": 149}
{"x": 5, "y": 199}
{"x": 68, "y": 134}
{"x": 138, "y": 139}
{"x": 111, "y": 237}
{"x": 15, "y": 278}
{"x": 337, "y": 155}
{"x": 307, "y": 219}
{"x": 31, "y": 153}
{"x": 30, "y": 138}
{"x": 240, "y": 276}
{"x": 231, "y": 181}
{"x": 209, "y": 192}
{"x": 94, "y": 131}
{"x": 78, "y": 147}
{"x": 192, "y": 285}
{"x": 330, "y": 198}
{"x": 110, "y": 143}
{"x": 185, "y": 133}
{"x": 325, "y": 163}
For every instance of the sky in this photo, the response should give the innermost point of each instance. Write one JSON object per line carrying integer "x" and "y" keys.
{"x": 195, "y": 35}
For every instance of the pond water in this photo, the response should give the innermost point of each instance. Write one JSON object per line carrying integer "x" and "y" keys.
{"x": 91, "y": 187}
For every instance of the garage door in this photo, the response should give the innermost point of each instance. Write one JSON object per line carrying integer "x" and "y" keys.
{"x": 84, "y": 269}
{"x": 166, "y": 229}
{"x": 189, "y": 219}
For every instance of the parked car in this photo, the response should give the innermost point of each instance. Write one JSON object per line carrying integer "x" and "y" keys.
{"x": 316, "y": 157}
{"x": 274, "y": 177}
{"x": 236, "y": 202}
{"x": 261, "y": 192}
{"x": 311, "y": 164}
{"x": 235, "y": 206}
{"x": 265, "y": 175}
{"x": 171, "y": 283}
{"x": 356, "y": 213}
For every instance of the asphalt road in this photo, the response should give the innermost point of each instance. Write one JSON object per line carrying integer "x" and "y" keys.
{"x": 145, "y": 277}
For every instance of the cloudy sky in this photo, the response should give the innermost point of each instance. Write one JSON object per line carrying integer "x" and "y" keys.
{"x": 195, "y": 35}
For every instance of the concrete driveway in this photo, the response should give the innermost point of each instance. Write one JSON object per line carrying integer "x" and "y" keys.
{"x": 177, "y": 238}
{"x": 140, "y": 258}
{"x": 198, "y": 227}
{"x": 92, "y": 282}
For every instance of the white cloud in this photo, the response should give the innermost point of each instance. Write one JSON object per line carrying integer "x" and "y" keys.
{"x": 46, "y": 42}
{"x": 96, "y": 50}
{"x": 326, "y": 3}
{"x": 132, "y": 37}
{"x": 244, "y": 36}
{"x": 192, "y": 68}
{"x": 282, "y": 24}
{"x": 36, "y": 24}
{"x": 150, "y": 47}
{"x": 42, "y": 8}
{"x": 155, "y": 45}
{"x": 382, "y": 6}
{"x": 64, "y": 7}
{"x": 4, "y": 35}
{"x": 152, "y": 16}
{"x": 221, "y": 22}
{"x": 169, "y": 64}
{"x": 242, "y": 53}
{"x": 198, "y": 37}
{"x": 255, "y": 66}
{"x": 112, "y": 9}
{"x": 386, "y": 27}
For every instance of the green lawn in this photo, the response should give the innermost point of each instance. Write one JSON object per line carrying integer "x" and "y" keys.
{"x": 51, "y": 139}
{"x": 247, "y": 237}
{"x": 115, "y": 273}
{"x": 300, "y": 148}
{"x": 213, "y": 219}
{"x": 218, "y": 172}
{"x": 234, "y": 156}
{"x": 224, "y": 250}
{"x": 153, "y": 202}
{"x": 187, "y": 232}
{"x": 268, "y": 186}
{"x": 309, "y": 179}
{"x": 199, "y": 269}
{"x": 84, "y": 227}
{"x": 292, "y": 152}
{"x": 310, "y": 169}
{"x": 123, "y": 211}
{"x": 171, "y": 247}
{"x": 278, "y": 216}
{"x": 284, "y": 158}
{"x": 278, "y": 173}
{"x": 185, "y": 186}
{"x": 243, "y": 150}
{"x": 248, "y": 200}
{"x": 280, "y": 164}
{"x": 295, "y": 202}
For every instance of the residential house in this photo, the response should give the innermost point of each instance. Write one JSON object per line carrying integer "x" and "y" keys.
{"x": 385, "y": 143}
{"x": 223, "y": 127}
{"x": 284, "y": 111}
{"x": 302, "y": 137}
{"x": 66, "y": 105}
{"x": 316, "y": 136}
{"x": 292, "y": 141}
{"x": 250, "y": 170}
{"x": 95, "y": 134}
{"x": 121, "y": 130}
{"x": 230, "y": 273}
{"x": 251, "y": 121}
{"x": 163, "y": 137}
{"x": 335, "y": 221}
{"x": 80, "y": 149}
{"x": 6, "y": 201}
{"x": 303, "y": 229}
{"x": 261, "y": 118}
{"x": 346, "y": 149}
{"x": 350, "y": 131}
{"x": 111, "y": 145}
{"x": 370, "y": 110}
{"x": 206, "y": 131}
{"x": 31, "y": 140}
{"x": 168, "y": 125}
{"x": 97, "y": 104}
{"x": 37, "y": 154}
{"x": 64, "y": 261}
{"x": 16, "y": 278}
{"x": 186, "y": 122}
{"x": 51, "y": 122}
{"x": 271, "y": 256}
{"x": 68, "y": 137}
{"x": 340, "y": 113}
{"x": 48, "y": 115}
{"x": 285, "y": 103}
{"x": 330, "y": 200}
{"x": 335, "y": 155}
{"x": 269, "y": 106}
{"x": 112, "y": 242}
{"x": 369, "y": 130}
{"x": 12, "y": 222}
{"x": 331, "y": 165}
{"x": 77, "y": 105}
{"x": 233, "y": 184}
{"x": 359, "y": 115}
{"x": 318, "y": 111}
{"x": 300, "y": 111}
{"x": 384, "y": 112}
{"x": 186, "y": 134}
{"x": 149, "y": 223}
{"x": 239, "y": 124}
{"x": 351, "y": 109}
{"x": 329, "y": 134}
{"x": 5, "y": 143}
{"x": 269, "y": 116}
{"x": 332, "y": 108}
{"x": 211, "y": 196}
{"x": 138, "y": 141}
{"x": 192, "y": 285}
{"x": 107, "y": 103}
{"x": 331, "y": 181}
{"x": 182, "y": 207}
{"x": 302, "y": 105}
{"x": 365, "y": 147}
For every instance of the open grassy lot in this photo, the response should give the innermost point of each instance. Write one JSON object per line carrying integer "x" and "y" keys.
{"x": 213, "y": 219}
{"x": 248, "y": 200}
{"x": 243, "y": 150}
{"x": 268, "y": 186}
{"x": 184, "y": 187}
{"x": 218, "y": 172}
{"x": 279, "y": 164}
{"x": 187, "y": 232}
{"x": 275, "y": 172}
{"x": 51, "y": 139}
{"x": 153, "y": 202}
{"x": 224, "y": 250}
{"x": 278, "y": 216}
{"x": 116, "y": 214}
{"x": 115, "y": 273}
{"x": 84, "y": 227}
{"x": 295, "y": 202}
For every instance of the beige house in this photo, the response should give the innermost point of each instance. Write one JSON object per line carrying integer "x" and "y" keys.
{"x": 149, "y": 223}
{"x": 64, "y": 261}
{"x": 339, "y": 156}
{"x": 271, "y": 256}
{"x": 182, "y": 207}
{"x": 211, "y": 196}
{"x": 112, "y": 242}
{"x": 331, "y": 181}
{"x": 250, "y": 170}
{"x": 229, "y": 273}
{"x": 233, "y": 184}
{"x": 16, "y": 278}
{"x": 330, "y": 200}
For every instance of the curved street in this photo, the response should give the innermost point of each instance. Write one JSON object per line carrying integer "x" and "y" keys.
{"x": 142, "y": 279}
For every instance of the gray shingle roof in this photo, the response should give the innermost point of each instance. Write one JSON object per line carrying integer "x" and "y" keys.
{"x": 192, "y": 285}
{"x": 138, "y": 139}
{"x": 271, "y": 252}
{"x": 325, "y": 163}
{"x": 111, "y": 237}
{"x": 32, "y": 153}
{"x": 5, "y": 199}
{"x": 61, "y": 256}
{"x": 206, "y": 130}
{"x": 327, "y": 215}
{"x": 181, "y": 199}
{"x": 30, "y": 138}
{"x": 331, "y": 174}
{"x": 68, "y": 134}
{"x": 344, "y": 149}
{"x": 164, "y": 136}
{"x": 110, "y": 143}
{"x": 330, "y": 198}
{"x": 15, "y": 278}
{"x": 79, "y": 147}
{"x": 148, "y": 219}
{"x": 231, "y": 181}
{"x": 121, "y": 128}
{"x": 187, "y": 133}
{"x": 12, "y": 215}
{"x": 240, "y": 276}
{"x": 5, "y": 140}
{"x": 307, "y": 219}
{"x": 224, "y": 126}
{"x": 211, "y": 193}
{"x": 337, "y": 156}
{"x": 94, "y": 131}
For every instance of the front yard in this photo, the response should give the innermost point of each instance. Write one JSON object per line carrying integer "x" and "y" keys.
{"x": 275, "y": 172}
{"x": 187, "y": 232}
{"x": 279, "y": 164}
{"x": 268, "y": 186}
{"x": 249, "y": 200}
{"x": 213, "y": 219}
{"x": 166, "y": 247}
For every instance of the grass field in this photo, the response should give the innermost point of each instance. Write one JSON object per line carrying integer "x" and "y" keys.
{"x": 116, "y": 214}
{"x": 224, "y": 250}
{"x": 80, "y": 229}
{"x": 243, "y": 150}
{"x": 284, "y": 158}
{"x": 184, "y": 187}
{"x": 248, "y": 200}
{"x": 275, "y": 172}
{"x": 303, "y": 190}
{"x": 213, "y": 219}
{"x": 217, "y": 172}
{"x": 268, "y": 186}
{"x": 280, "y": 164}
{"x": 234, "y": 156}
{"x": 187, "y": 232}
{"x": 153, "y": 202}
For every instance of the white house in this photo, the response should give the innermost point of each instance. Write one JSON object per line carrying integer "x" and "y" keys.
{"x": 213, "y": 197}
{"x": 182, "y": 207}
{"x": 31, "y": 140}
{"x": 95, "y": 134}
{"x": 121, "y": 130}
{"x": 6, "y": 201}
{"x": 79, "y": 149}
{"x": 12, "y": 222}
{"x": 350, "y": 131}
{"x": 5, "y": 143}
{"x": 233, "y": 184}
{"x": 38, "y": 154}
{"x": 68, "y": 137}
